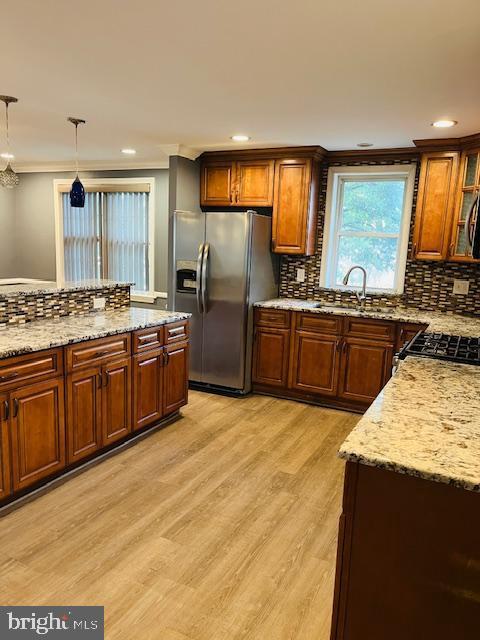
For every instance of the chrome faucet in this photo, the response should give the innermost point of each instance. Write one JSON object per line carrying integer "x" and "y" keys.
{"x": 361, "y": 297}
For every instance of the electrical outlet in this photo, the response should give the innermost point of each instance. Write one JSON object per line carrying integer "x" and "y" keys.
{"x": 99, "y": 303}
{"x": 460, "y": 287}
{"x": 300, "y": 275}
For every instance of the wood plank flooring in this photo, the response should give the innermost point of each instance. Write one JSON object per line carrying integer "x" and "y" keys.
{"x": 219, "y": 527}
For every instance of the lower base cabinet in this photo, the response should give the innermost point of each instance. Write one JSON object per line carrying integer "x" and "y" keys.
{"x": 366, "y": 367}
{"x": 175, "y": 382}
{"x": 338, "y": 360}
{"x": 147, "y": 388}
{"x": 105, "y": 395}
{"x": 5, "y": 477}
{"x": 38, "y": 432}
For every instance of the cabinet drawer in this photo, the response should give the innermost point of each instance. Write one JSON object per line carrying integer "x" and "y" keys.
{"x": 97, "y": 351}
{"x": 176, "y": 331}
{"x": 150, "y": 338}
{"x": 366, "y": 327}
{"x": 27, "y": 369}
{"x": 273, "y": 318}
{"x": 318, "y": 323}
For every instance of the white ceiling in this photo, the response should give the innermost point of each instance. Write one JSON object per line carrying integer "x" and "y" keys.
{"x": 150, "y": 73}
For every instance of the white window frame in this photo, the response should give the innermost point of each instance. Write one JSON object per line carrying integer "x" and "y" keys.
{"x": 334, "y": 202}
{"x": 58, "y": 190}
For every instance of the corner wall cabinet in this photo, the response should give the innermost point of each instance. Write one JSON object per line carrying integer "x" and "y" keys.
{"x": 285, "y": 180}
{"x": 51, "y": 421}
{"x": 340, "y": 361}
{"x": 468, "y": 189}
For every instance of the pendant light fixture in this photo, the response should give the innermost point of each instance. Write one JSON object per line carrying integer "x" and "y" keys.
{"x": 77, "y": 192}
{"x": 8, "y": 177}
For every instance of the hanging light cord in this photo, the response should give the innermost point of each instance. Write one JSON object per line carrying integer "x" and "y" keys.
{"x": 8, "y": 136}
{"x": 76, "y": 148}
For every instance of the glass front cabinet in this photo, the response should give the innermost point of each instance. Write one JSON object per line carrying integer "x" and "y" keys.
{"x": 468, "y": 189}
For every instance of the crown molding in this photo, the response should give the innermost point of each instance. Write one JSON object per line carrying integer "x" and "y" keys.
{"x": 373, "y": 155}
{"x": 89, "y": 166}
{"x": 448, "y": 144}
{"x": 180, "y": 150}
{"x": 319, "y": 153}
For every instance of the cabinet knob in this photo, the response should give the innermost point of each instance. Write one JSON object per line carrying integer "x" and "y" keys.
{"x": 6, "y": 410}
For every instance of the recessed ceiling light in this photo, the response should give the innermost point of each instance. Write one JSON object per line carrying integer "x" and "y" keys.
{"x": 444, "y": 124}
{"x": 365, "y": 144}
{"x": 129, "y": 152}
{"x": 240, "y": 138}
{"x": 7, "y": 156}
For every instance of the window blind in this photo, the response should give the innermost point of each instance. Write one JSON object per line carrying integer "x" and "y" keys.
{"x": 109, "y": 238}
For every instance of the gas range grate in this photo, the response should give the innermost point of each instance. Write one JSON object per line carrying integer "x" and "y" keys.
{"x": 444, "y": 347}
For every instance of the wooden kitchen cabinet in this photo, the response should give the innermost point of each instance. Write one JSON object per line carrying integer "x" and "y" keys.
{"x": 315, "y": 363}
{"x": 435, "y": 205}
{"x": 246, "y": 183}
{"x": 84, "y": 413}
{"x": 294, "y": 216}
{"x": 271, "y": 356}
{"x": 147, "y": 388}
{"x": 117, "y": 403}
{"x": 5, "y": 477}
{"x": 366, "y": 365}
{"x": 38, "y": 432}
{"x": 175, "y": 377}
{"x": 468, "y": 189}
{"x": 218, "y": 184}
{"x": 341, "y": 361}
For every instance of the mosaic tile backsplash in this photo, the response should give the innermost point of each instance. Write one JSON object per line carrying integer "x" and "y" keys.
{"x": 428, "y": 285}
{"x": 24, "y": 307}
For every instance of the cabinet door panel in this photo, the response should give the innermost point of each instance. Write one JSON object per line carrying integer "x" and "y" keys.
{"x": 217, "y": 184}
{"x": 5, "y": 478}
{"x": 147, "y": 388}
{"x": 38, "y": 432}
{"x": 84, "y": 413}
{"x": 435, "y": 202}
{"x": 270, "y": 356}
{"x": 255, "y": 183}
{"x": 175, "y": 377}
{"x": 365, "y": 368}
{"x": 289, "y": 221}
{"x": 117, "y": 405}
{"x": 315, "y": 364}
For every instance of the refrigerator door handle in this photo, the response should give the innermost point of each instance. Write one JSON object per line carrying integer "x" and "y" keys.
{"x": 204, "y": 281}
{"x": 199, "y": 278}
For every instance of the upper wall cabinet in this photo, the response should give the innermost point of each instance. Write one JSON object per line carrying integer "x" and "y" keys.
{"x": 284, "y": 179}
{"x": 247, "y": 183}
{"x": 435, "y": 205}
{"x": 295, "y": 206}
{"x": 469, "y": 186}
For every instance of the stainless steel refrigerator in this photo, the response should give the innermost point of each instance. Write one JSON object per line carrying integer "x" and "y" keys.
{"x": 222, "y": 263}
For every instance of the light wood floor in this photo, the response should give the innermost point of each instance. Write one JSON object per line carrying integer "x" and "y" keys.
{"x": 220, "y": 526}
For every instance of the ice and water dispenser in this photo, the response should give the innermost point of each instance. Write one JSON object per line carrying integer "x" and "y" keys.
{"x": 186, "y": 276}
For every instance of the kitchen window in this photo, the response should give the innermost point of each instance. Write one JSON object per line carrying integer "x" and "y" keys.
{"x": 111, "y": 237}
{"x": 367, "y": 223}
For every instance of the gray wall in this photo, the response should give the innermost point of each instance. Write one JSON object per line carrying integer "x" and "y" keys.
{"x": 7, "y": 233}
{"x": 34, "y": 222}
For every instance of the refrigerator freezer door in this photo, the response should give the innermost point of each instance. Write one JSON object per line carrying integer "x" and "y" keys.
{"x": 225, "y": 298}
{"x": 189, "y": 240}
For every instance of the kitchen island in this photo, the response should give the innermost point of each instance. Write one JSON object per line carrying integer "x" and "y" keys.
{"x": 408, "y": 563}
{"x": 76, "y": 388}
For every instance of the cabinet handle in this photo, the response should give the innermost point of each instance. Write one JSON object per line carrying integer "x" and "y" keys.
{"x": 402, "y": 334}
{"x": 176, "y": 330}
{"x": 9, "y": 376}
{"x": 414, "y": 250}
{"x": 6, "y": 410}
{"x": 106, "y": 378}
{"x": 450, "y": 250}
{"x": 344, "y": 347}
{"x": 166, "y": 358}
{"x": 15, "y": 407}
{"x": 99, "y": 380}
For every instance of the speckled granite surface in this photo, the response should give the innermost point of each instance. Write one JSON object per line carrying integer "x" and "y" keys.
{"x": 52, "y": 287}
{"x": 44, "y": 334}
{"x": 453, "y": 324}
{"x": 425, "y": 423}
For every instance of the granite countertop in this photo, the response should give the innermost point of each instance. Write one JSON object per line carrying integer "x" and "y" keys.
{"x": 42, "y": 287}
{"x": 425, "y": 423}
{"x": 45, "y": 334}
{"x": 454, "y": 324}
